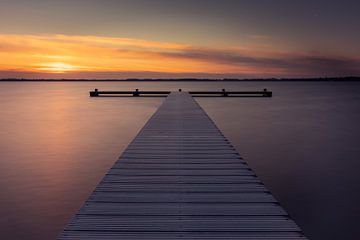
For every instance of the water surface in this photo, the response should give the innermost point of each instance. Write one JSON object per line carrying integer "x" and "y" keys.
{"x": 56, "y": 144}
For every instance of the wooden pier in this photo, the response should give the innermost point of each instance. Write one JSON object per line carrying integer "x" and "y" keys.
{"x": 180, "y": 178}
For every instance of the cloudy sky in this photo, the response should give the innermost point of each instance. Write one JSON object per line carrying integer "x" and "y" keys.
{"x": 179, "y": 38}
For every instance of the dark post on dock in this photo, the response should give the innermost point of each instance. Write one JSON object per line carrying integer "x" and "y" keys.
{"x": 180, "y": 178}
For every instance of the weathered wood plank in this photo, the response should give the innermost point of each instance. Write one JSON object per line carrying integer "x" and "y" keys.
{"x": 143, "y": 197}
{"x": 184, "y": 179}
{"x": 183, "y": 209}
{"x": 189, "y": 223}
{"x": 138, "y": 235}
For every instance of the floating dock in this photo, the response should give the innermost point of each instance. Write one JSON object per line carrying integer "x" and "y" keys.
{"x": 180, "y": 178}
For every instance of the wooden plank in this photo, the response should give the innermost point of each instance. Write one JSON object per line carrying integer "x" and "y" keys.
{"x": 180, "y": 172}
{"x": 180, "y": 160}
{"x": 189, "y": 223}
{"x": 180, "y": 178}
{"x": 184, "y": 179}
{"x": 183, "y": 209}
{"x": 182, "y": 187}
{"x": 197, "y": 166}
{"x": 139, "y": 235}
{"x": 143, "y": 197}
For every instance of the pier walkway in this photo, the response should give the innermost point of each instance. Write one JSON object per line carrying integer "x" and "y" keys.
{"x": 180, "y": 178}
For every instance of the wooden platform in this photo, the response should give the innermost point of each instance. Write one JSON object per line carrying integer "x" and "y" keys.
{"x": 180, "y": 178}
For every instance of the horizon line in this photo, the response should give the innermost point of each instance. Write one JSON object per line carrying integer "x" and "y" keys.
{"x": 346, "y": 78}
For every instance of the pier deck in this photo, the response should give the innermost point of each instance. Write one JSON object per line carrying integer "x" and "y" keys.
{"x": 180, "y": 178}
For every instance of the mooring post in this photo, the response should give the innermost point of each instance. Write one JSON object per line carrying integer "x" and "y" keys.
{"x": 95, "y": 93}
{"x": 136, "y": 93}
{"x": 266, "y": 93}
{"x": 224, "y": 93}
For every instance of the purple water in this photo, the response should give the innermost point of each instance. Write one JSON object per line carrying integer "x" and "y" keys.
{"x": 56, "y": 144}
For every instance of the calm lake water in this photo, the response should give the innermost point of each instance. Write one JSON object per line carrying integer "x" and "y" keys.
{"x": 56, "y": 144}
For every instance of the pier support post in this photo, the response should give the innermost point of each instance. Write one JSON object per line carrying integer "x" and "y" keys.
{"x": 266, "y": 93}
{"x": 225, "y": 94}
{"x": 95, "y": 93}
{"x": 136, "y": 93}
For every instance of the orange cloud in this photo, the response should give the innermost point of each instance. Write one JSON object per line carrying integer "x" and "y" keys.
{"x": 87, "y": 53}
{"x": 63, "y": 54}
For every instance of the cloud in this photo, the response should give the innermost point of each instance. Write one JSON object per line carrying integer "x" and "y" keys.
{"x": 86, "y": 56}
{"x": 291, "y": 63}
{"x": 260, "y": 37}
{"x": 117, "y": 75}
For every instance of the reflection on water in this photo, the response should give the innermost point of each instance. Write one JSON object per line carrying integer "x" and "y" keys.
{"x": 56, "y": 143}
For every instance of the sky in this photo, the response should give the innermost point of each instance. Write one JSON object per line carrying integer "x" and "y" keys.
{"x": 113, "y": 39}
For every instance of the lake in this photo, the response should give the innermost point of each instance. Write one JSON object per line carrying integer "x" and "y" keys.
{"x": 56, "y": 144}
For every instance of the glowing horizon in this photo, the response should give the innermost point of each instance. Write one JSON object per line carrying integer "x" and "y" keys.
{"x": 69, "y": 55}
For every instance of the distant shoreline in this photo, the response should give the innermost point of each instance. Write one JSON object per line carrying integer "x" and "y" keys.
{"x": 340, "y": 79}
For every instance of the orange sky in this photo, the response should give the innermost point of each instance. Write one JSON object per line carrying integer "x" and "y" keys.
{"x": 69, "y": 55}
{"x": 61, "y": 54}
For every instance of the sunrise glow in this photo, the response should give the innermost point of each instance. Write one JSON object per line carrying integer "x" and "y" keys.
{"x": 72, "y": 54}
{"x": 61, "y": 54}
{"x": 58, "y": 67}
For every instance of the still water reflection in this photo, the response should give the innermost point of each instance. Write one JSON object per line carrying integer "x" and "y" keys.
{"x": 56, "y": 143}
